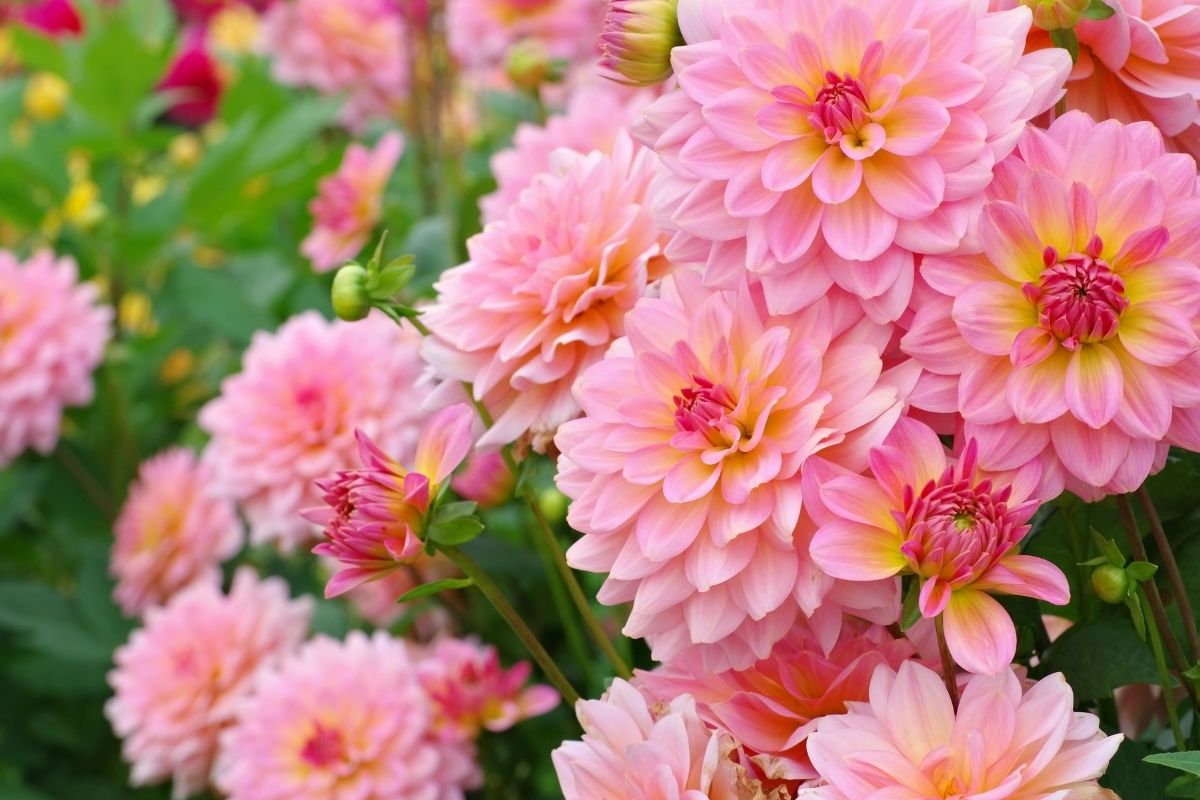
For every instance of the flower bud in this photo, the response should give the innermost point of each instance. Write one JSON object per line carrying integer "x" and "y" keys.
{"x": 1053, "y": 15}
{"x": 46, "y": 97}
{"x": 637, "y": 40}
{"x": 351, "y": 299}
{"x": 1111, "y": 583}
{"x": 486, "y": 480}
{"x": 530, "y": 65}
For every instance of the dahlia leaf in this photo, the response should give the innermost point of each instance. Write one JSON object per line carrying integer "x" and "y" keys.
{"x": 1067, "y": 40}
{"x": 428, "y": 589}
{"x": 1184, "y": 762}
{"x": 1098, "y": 9}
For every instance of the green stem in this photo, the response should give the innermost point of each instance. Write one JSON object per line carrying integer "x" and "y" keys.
{"x": 949, "y": 672}
{"x": 1164, "y": 678}
{"x": 492, "y": 592}
{"x": 1171, "y": 566}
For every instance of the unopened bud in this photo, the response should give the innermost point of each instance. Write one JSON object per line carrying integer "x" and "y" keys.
{"x": 530, "y": 65}
{"x": 351, "y": 299}
{"x": 637, "y": 40}
{"x": 1111, "y": 583}
{"x": 46, "y": 97}
{"x": 1052, "y": 15}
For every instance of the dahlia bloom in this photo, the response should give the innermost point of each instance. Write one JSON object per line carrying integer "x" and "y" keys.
{"x": 343, "y": 719}
{"x": 374, "y": 517}
{"x": 471, "y": 691}
{"x": 685, "y": 470}
{"x": 547, "y": 289}
{"x": 1069, "y": 330}
{"x": 636, "y": 749}
{"x": 289, "y": 417}
{"x": 181, "y": 678}
{"x": 816, "y": 142}
{"x": 194, "y": 78}
{"x": 773, "y": 707}
{"x": 349, "y": 203}
{"x": 52, "y": 336}
{"x": 480, "y": 32}
{"x": 1005, "y": 741}
{"x": 171, "y": 531}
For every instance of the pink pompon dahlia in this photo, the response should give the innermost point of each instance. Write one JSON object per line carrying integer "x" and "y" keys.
{"x": 637, "y": 749}
{"x": 472, "y": 691}
{"x": 349, "y": 203}
{"x": 346, "y": 720}
{"x": 1005, "y": 741}
{"x": 547, "y": 289}
{"x": 773, "y": 707}
{"x": 374, "y": 517}
{"x": 481, "y": 32}
{"x": 52, "y": 336}
{"x": 685, "y": 469}
{"x": 815, "y": 142}
{"x": 289, "y": 417}
{"x": 954, "y": 527}
{"x": 172, "y": 531}
{"x": 1067, "y": 329}
{"x": 180, "y": 679}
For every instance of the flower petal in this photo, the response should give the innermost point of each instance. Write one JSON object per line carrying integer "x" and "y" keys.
{"x": 1094, "y": 384}
{"x": 855, "y": 552}
{"x": 979, "y": 632}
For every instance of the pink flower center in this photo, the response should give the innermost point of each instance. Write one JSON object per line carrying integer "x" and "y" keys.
{"x": 324, "y": 747}
{"x": 706, "y": 408}
{"x": 1079, "y": 298}
{"x": 840, "y": 107}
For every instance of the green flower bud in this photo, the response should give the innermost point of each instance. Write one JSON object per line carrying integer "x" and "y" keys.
{"x": 351, "y": 299}
{"x": 1111, "y": 583}
{"x": 637, "y": 40}
{"x": 1052, "y": 15}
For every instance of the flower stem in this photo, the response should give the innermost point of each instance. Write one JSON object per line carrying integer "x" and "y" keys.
{"x": 492, "y": 592}
{"x": 1164, "y": 678}
{"x": 949, "y": 674}
{"x": 1172, "y": 569}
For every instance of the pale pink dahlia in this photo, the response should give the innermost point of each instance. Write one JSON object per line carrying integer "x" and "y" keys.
{"x": 349, "y": 203}
{"x": 636, "y": 749}
{"x": 547, "y": 289}
{"x": 180, "y": 679}
{"x": 343, "y": 720}
{"x": 773, "y": 707}
{"x": 52, "y": 336}
{"x": 1005, "y": 742}
{"x": 685, "y": 469}
{"x": 816, "y": 142}
{"x": 1067, "y": 328}
{"x": 481, "y": 32}
{"x": 172, "y": 531}
{"x": 288, "y": 418}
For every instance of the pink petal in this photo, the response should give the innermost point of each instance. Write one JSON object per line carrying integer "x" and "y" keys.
{"x": 979, "y": 632}
{"x": 791, "y": 163}
{"x": 690, "y": 480}
{"x": 1094, "y": 384}
{"x": 908, "y": 187}
{"x": 1010, "y": 241}
{"x": 1157, "y": 333}
{"x": 792, "y": 225}
{"x": 445, "y": 441}
{"x": 991, "y": 315}
{"x": 1092, "y": 456}
{"x": 857, "y": 552}
{"x": 1131, "y": 204}
{"x": 1037, "y": 393}
{"x": 1028, "y": 576}
{"x": 859, "y": 228}
{"x": 836, "y": 178}
{"x": 859, "y": 499}
{"x": 914, "y": 124}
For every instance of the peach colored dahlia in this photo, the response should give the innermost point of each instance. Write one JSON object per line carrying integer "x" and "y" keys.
{"x": 1066, "y": 328}
{"x": 289, "y": 417}
{"x": 343, "y": 720}
{"x": 685, "y": 469}
{"x": 180, "y": 679}
{"x": 52, "y": 336}
{"x": 172, "y": 530}
{"x": 815, "y": 142}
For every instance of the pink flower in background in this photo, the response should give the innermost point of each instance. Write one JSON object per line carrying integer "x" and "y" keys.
{"x": 289, "y": 417}
{"x": 1005, "y": 741}
{"x": 374, "y": 517}
{"x": 181, "y": 678}
{"x": 51, "y": 17}
{"x": 202, "y": 11}
{"x": 637, "y": 749}
{"x": 487, "y": 480}
{"x": 343, "y": 719}
{"x": 481, "y": 32}
{"x": 685, "y": 470}
{"x": 52, "y": 336}
{"x": 349, "y": 203}
{"x": 772, "y": 707}
{"x": 194, "y": 81}
{"x": 375, "y": 601}
{"x": 1067, "y": 329}
{"x": 954, "y": 527}
{"x": 547, "y": 289}
{"x": 171, "y": 531}
{"x": 815, "y": 142}
{"x": 472, "y": 691}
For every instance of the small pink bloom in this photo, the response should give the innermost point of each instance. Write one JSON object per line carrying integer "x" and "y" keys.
{"x": 349, "y": 203}
{"x": 486, "y": 479}
{"x": 1005, "y": 742}
{"x": 52, "y": 336}
{"x": 51, "y": 17}
{"x": 193, "y": 79}
{"x": 181, "y": 678}
{"x": 346, "y": 720}
{"x": 171, "y": 531}
{"x": 481, "y": 32}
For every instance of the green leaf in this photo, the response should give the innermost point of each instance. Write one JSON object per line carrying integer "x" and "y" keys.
{"x": 427, "y": 589}
{"x": 36, "y": 51}
{"x": 1108, "y": 549}
{"x": 289, "y": 134}
{"x": 1134, "y": 603}
{"x": 1067, "y": 40}
{"x": 1098, "y": 657}
{"x": 1141, "y": 571}
{"x": 392, "y": 278}
{"x": 454, "y": 532}
{"x": 1098, "y": 9}
{"x": 452, "y": 511}
{"x": 1134, "y": 779}
{"x": 911, "y": 612}
{"x": 1184, "y": 762}
{"x": 1184, "y": 786}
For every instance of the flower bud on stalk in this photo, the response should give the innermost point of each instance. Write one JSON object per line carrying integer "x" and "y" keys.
{"x": 1050, "y": 15}
{"x": 351, "y": 299}
{"x": 1111, "y": 583}
{"x": 637, "y": 40}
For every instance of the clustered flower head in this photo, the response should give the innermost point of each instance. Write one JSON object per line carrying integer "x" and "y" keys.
{"x": 52, "y": 336}
{"x": 171, "y": 531}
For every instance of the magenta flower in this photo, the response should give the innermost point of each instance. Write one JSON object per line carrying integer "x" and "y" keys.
{"x": 194, "y": 81}
{"x": 52, "y": 17}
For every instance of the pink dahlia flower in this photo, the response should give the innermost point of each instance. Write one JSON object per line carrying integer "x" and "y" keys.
{"x": 347, "y": 720}
{"x": 374, "y": 517}
{"x": 194, "y": 81}
{"x": 289, "y": 417}
{"x": 181, "y": 678}
{"x": 637, "y": 749}
{"x": 172, "y": 531}
{"x": 52, "y": 336}
{"x": 685, "y": 470}
{"x": 1068, "y": 329}
{"x": 773, "y": 707}
{"x": 1005, "y": 741}
{"x": 349, "y": 203}
{"x": 481, "y": 32}
{"x": 52, "y": 17}
{"x": 816, "y": 142}
{"x": 954, "y": 527}
{"x": 547, "y": 289}
{"x": 472, "y": 692}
